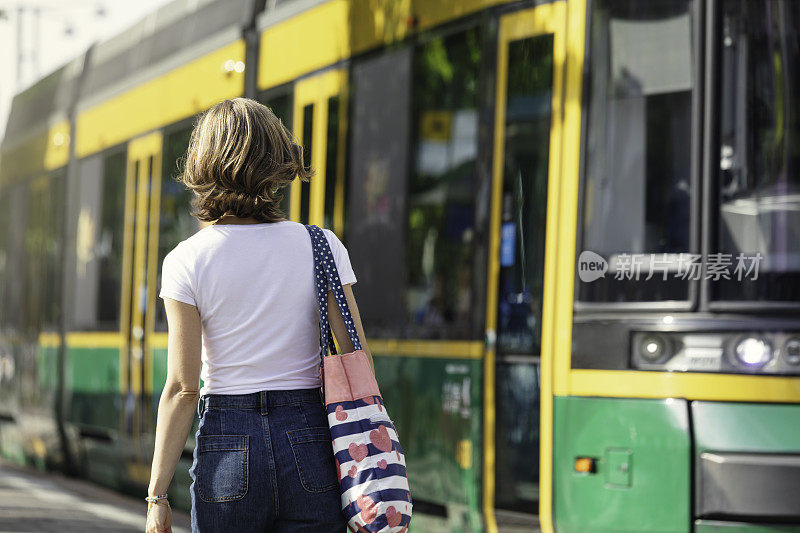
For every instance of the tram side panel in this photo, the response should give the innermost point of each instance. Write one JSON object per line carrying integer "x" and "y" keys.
{"x": 28, "y": 362}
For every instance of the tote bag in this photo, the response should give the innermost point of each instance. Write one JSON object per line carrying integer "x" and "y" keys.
{"x": 369, "y": 460}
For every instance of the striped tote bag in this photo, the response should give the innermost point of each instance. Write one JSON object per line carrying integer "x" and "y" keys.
{"x": 369, "y": 459}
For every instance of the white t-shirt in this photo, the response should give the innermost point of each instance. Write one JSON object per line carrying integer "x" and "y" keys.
{"x": 253, "y": 285}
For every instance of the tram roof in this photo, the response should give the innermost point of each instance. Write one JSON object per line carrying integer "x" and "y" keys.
{"x": 165, "y": 36}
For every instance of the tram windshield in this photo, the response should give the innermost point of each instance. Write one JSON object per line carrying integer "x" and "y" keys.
{"x": 758, "y": 197}
{"x": 638, "y": 184}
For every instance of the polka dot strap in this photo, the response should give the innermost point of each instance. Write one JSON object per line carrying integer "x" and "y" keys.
{"x": 321, "y": 284}
{"x": 326, "y": 276}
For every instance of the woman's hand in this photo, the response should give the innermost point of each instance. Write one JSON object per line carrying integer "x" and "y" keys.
{"x": 159, "y": 518}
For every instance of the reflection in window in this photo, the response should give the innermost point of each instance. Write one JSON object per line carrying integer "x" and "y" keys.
{"x": 525, "y": 173}
{"x": 440, "y": 190}
{"x": 377, "y": 174}
{"x": 517, "y": 436}
{"x": 758, "y": 206}
{"x": 108, "y": 250}
{"x": 175, "y": 221}
{"x": 637, "y": 182}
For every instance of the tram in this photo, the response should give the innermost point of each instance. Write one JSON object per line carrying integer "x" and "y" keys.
{"x": 575, "y": 226}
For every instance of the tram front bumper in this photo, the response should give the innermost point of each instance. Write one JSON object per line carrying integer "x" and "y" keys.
{"x": 749, "y": 485}
{"x": 747, "y": 459}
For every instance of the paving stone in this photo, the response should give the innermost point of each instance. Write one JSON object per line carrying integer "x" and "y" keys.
{"x": 36, "y": 502}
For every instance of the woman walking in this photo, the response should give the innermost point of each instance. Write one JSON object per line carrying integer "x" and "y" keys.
{"x": 240, "y": 297}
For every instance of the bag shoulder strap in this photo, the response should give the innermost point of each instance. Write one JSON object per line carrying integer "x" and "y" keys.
{"x": 326, "y": 276}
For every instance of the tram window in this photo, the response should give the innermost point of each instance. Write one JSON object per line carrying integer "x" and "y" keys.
{"x": 757, "y": 207}
{"x": 441, "y": 206}
{"x": 638, "y": 149}
{"x": 13, "y": 206}
{"x": 109, "y": 247}
{"x": 6, "y": 253}
{"x": 524, "y": 210}
{"x": 308, "y": 138}
{"x": 42, "y": 241}
{"x": 378, "y": 172}
{"x": 82, "y": 314}
{"x": 281, "y": 106}
{"x": 332, "y": 174}
{"x": 31, "y": 311}
{"x": 51, "y": 246}
{"x": 175, "y": 220}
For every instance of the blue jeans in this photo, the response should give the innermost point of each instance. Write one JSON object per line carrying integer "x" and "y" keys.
{"x": 264, "y": 462}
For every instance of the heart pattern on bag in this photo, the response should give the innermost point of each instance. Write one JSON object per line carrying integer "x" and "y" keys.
{"x": 341, "y": 416}
{"x": 353, "y": 471}
{"x": 380, "y": 439}
{"x": 382, "y": 464}
{"x": 393, "y": 517}
{"x": 358, "y": 451}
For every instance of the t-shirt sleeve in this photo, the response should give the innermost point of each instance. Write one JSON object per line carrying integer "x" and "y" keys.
{"x": 176, "y": 278}
{"x": 341, "y": 258}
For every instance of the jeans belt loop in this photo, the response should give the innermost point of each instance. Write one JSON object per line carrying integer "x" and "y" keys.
{"x": 264, "y": 402}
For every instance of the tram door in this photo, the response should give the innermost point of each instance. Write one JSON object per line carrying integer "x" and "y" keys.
{"x": 320, "y": 126}
{"x": 142, "y": 196}
{"x": 525, "y": 166}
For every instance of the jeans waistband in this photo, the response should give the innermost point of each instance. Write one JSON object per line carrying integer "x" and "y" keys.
{"x": 261, "y": 400}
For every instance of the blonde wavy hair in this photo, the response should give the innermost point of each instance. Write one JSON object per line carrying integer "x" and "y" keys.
{"x": 240, "y": 156}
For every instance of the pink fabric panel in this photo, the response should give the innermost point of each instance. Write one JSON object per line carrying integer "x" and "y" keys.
{"x": 349, "y": 377}
{"x": 336, "y": 387}
{"x": 359, "y": 375}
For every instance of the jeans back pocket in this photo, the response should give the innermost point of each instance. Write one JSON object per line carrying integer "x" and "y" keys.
{"x": 222, "y": 467}
{"x": 313, "y": 453}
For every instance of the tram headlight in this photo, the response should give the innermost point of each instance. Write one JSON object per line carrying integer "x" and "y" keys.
{"x": 653, "y": 347}
{"x": 791, "y": 351}
{"x": 714, "y": 350}
{"x": 753, "y": 352}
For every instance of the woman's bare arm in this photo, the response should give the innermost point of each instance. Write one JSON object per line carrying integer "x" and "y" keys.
{"x": 340, "y": 330}
{"x": 178, "y": 404}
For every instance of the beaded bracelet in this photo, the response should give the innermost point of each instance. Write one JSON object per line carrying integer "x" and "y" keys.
{"x": 156, "y": 499}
